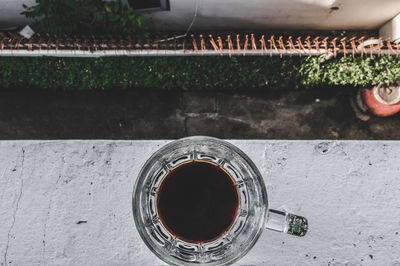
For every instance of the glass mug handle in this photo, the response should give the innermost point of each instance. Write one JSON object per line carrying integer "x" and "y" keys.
{"x": 286, "y": 223}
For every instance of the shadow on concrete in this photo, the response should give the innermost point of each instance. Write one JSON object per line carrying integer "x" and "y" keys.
{"x": 323, "y": 113}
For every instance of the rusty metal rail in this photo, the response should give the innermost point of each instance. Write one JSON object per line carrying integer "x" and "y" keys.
{"x": 13, "y": 44}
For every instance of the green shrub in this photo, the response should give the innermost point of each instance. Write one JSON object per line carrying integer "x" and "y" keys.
{"x": 82, "y": 16}
{"x": 195, "y": 72}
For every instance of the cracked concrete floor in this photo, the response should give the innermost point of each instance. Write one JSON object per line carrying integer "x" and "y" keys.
{"x": 322, "y": 113}
{"x": 70, "y": 202}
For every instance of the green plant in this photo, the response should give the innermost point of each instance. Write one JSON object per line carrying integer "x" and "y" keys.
{"x": 82, "y": 16}
{"x": 195, "y": 73}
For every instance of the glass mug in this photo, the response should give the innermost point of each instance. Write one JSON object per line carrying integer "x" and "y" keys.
{"x": 253, "y": 213}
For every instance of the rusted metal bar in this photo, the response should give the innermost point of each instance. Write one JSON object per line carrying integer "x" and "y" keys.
{"x": 12, "y": 44}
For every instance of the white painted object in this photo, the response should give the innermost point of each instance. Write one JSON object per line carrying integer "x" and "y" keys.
{"x": 391, "y": 29}
{"x": 367, "y": 43}
{"x": 153, "y": 52}
{"x": 27, "y": 32}
{"x": 143, "y": 53}
{"x": 388, "y": 95}
{"x": 69, "y": 202}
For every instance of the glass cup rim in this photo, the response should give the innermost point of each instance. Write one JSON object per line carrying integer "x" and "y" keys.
{"x": 262, "y": 218}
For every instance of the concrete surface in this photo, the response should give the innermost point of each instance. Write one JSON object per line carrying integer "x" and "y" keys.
{"x": 276, "y": 14}
{"x": 69, "y": 202}
{"x": 391, "y": 29}
{"x": 321, "y": 113}
{"x": 10, "y": 13}
{"x": 255, "y": 14}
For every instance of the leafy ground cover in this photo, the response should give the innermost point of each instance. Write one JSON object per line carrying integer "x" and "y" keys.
{"x": 195, "y": 72}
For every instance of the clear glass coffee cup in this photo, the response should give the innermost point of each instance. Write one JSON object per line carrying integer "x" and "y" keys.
{"x": 252, "y": 216}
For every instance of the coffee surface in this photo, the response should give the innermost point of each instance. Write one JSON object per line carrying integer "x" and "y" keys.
{"x": 197, "y": 201}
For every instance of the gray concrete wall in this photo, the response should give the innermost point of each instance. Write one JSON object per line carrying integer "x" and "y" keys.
{"x": 10, "y": 13}
{"x": 69, "y": 202}
{"x": 277, "y": 14}
{"x": 391, "y": 29}
{"x": 253, "y": 14}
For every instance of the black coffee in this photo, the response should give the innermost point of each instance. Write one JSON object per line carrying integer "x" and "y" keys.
{"x": 197, "y": 201}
